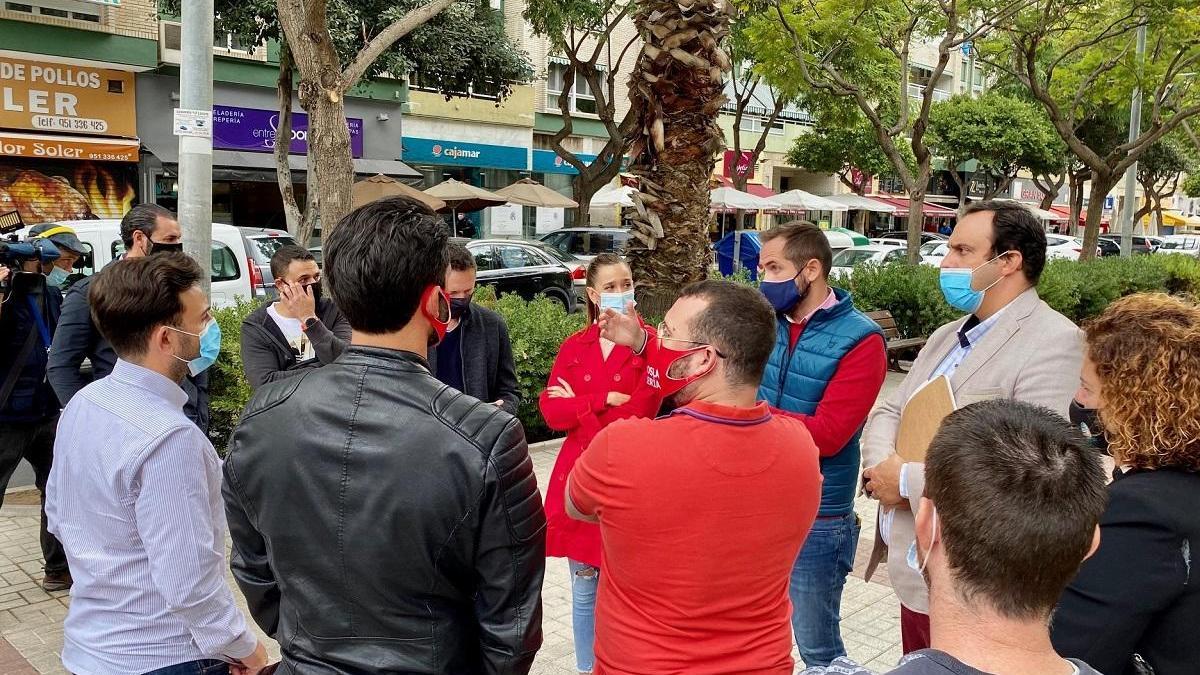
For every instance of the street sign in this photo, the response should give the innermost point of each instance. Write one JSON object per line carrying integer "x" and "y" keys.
{"x": 197, "y": 123}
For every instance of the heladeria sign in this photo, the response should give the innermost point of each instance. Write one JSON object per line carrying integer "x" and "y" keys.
{"x": 64, "y": 98}
{"x": 254, "y": 130}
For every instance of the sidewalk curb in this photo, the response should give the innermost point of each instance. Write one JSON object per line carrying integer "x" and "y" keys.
{"x": 551, "y": 445}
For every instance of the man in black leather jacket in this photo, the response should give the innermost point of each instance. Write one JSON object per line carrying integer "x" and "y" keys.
{"x": 381, "y": 521}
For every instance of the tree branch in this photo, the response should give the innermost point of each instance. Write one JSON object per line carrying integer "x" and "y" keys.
{"x": 389, "y": 36}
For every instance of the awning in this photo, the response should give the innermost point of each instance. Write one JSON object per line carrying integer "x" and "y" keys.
{"x": 751, "y": 188}
{"x": 82, "y": 148}
{"x": 1065, "y": 211}
{"x": 856, "y": 203}
{"x": 800, "y": 200}
{"x": 260, "y": 166}
{"x": 1040, "y": 214}
{"x": 927, "y": 209}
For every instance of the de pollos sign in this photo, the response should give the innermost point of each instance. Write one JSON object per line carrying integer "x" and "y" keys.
{"x": 254, "y": 130}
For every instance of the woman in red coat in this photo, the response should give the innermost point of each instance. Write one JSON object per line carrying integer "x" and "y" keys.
{"x": 593, "y": 383}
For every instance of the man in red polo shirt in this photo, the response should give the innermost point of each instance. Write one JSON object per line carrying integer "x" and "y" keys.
{"x": 702, "y": 512}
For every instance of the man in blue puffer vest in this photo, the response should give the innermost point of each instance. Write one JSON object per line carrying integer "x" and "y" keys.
{"x": 827, "y": 368}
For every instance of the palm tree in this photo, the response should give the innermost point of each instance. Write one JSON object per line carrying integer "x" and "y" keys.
{"x": 676, "y": 89}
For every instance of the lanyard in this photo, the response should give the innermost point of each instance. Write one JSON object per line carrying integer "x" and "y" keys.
{"x": 43, "y": 330}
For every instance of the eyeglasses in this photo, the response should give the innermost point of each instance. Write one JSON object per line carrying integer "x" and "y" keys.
{"x": 662, "y": 335}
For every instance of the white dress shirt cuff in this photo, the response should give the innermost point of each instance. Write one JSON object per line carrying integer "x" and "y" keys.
{"x": 243, "y": 646}
{"x": 904, "y": 480}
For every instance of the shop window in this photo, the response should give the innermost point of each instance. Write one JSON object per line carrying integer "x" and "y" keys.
{"x": 756, "y": 125}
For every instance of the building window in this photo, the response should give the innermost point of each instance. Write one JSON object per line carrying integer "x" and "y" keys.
{"x": 234, "y": 43}
{"x": 756, "y": 125}
{"x": 485, "y": 90}
{"x": 58, "y": 9}
{"x": 582, "y": 98}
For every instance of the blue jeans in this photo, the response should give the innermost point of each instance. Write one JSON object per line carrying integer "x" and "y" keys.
{"x": 583, "y": 613}
{"x": 816, "y": 589}
{"x": 202, "y": 667}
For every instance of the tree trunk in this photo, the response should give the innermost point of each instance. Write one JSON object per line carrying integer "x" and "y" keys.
{"x": 1076, "y": 190}
{"x": 677, "y": 95}
{"x": 916, "y": 216}
{"x": 331, "y": 168}
{"x": 582, "y": 191}
{"x": 283, "y": 142}
{"x": 962, "y": 189}
{"x": 1101, "y": 186}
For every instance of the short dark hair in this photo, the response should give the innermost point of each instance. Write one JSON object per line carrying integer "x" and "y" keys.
{"x": 1014, "y": 228}
{"x": 380, "y": 259}
{"x": 461, "y": 259}
{"x": 1018, "y": 495}
{"x": 803, "y": 241}
{"x": 739, "y": 323}
{"x": 142, "y": 218}
{"x": 132, "y": 297}
{"x": 283, "y": 258}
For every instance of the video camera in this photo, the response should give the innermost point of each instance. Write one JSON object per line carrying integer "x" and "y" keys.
{"x": 15, "y": 253}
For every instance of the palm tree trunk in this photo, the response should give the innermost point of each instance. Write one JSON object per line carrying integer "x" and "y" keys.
{"x": 676, "y": 90}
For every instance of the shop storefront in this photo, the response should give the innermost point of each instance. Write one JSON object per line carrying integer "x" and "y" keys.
{"x": 444, "y": 149}
{"x": 245, "y": 187}
{"x": 68, "y": 141}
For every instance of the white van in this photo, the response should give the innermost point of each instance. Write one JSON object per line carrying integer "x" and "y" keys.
{"x": 231, "y": 274}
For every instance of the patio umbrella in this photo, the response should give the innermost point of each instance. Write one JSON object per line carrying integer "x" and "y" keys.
{"x": 729, "y": 199}
{"x": 799, "y": 200}
{"x": 840, "y": 237}
{"x": 463, "y": 198}
{"x": 532, "y": 193}
{"x": 862, "y": 203}
{"x": 613, "y": 197}
{"x": 379, "y": 186}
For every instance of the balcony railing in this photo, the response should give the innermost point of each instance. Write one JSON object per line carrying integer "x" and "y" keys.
{"x": 917, "y": 91}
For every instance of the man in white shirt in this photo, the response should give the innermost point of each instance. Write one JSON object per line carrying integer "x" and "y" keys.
{"x": 135, "y": 497}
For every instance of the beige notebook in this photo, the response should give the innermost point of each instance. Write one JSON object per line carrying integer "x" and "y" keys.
{"x": 922, "y": 417}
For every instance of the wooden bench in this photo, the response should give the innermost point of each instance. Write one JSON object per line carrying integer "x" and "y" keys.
{"x": 895, "y": 343}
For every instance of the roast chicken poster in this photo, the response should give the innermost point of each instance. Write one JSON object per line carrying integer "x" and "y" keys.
{"x": 44, "y": 191}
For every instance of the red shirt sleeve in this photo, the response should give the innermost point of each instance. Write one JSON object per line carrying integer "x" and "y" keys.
{"x": 586, "y": 486}
{"x": 848, "y": 397}
{"x": 566, "y": 414}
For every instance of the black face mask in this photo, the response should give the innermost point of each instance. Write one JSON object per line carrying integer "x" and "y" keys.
{"x": 160, "y": 247}
{"x": 1087, "y": 421}
{"x": 459, "y": 307}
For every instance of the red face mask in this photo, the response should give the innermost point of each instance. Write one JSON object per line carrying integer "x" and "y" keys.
{"x": 442, "y": 320}
{"x": 660, "y": 365}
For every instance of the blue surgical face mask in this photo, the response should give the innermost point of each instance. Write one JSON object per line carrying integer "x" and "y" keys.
{"x": 956, "y": 286}
{"x": 912, "y": 559}
{"x": 783, "y": 295}
{"x": 210, "y": 347}
{"x": 616, "y": 301}
{"x": 57, "y": 277}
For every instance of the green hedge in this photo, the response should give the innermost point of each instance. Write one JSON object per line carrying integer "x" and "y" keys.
{"x": 911, "y": 294}
{"x": 1078, "y": 290}
{"x": 536, "y": 329}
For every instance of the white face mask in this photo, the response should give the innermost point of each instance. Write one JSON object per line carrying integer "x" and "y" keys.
{"x": 913, "y": 561}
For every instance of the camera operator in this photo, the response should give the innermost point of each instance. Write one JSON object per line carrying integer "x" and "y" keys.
{"x": 29, "y": 310}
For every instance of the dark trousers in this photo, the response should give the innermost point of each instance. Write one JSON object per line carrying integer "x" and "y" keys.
{"x": 204, "y": 667}
{"x": 35, "y": 442}
{"x": 914, "y": 630}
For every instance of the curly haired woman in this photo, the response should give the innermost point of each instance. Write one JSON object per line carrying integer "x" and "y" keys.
{"x": 1134, "y": 608}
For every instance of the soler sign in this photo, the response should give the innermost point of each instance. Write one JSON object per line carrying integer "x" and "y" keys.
{"x": 66, "y": 98}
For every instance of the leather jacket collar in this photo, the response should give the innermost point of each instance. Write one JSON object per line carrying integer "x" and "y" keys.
{"x": 379, "y": 357}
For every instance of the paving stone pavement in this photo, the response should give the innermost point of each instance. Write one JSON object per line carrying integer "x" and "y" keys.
{"x": 31, "y": 632}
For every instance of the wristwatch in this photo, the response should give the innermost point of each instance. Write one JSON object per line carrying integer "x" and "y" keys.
{"x": 309, "y": 323}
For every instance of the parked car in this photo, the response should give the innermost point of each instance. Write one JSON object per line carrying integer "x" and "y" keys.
{"x": 875, "y": 254}
{"x": 586, "y": 243}
{"x": 1067, "y": 248}
{"x": 890, "y": 242}
{"x": 933, "y": 252}
{"x": 1180, "y": 244}
{"x": 1110, "y": 244}
{"x": 902, "y": 235}
{"x": 261, "y": 244}
{"x": 233, "y": 269}
{"x": 526, "y": 268}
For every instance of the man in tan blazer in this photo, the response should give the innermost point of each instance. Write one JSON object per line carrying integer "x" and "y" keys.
{"x": 1011, "y": 345}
